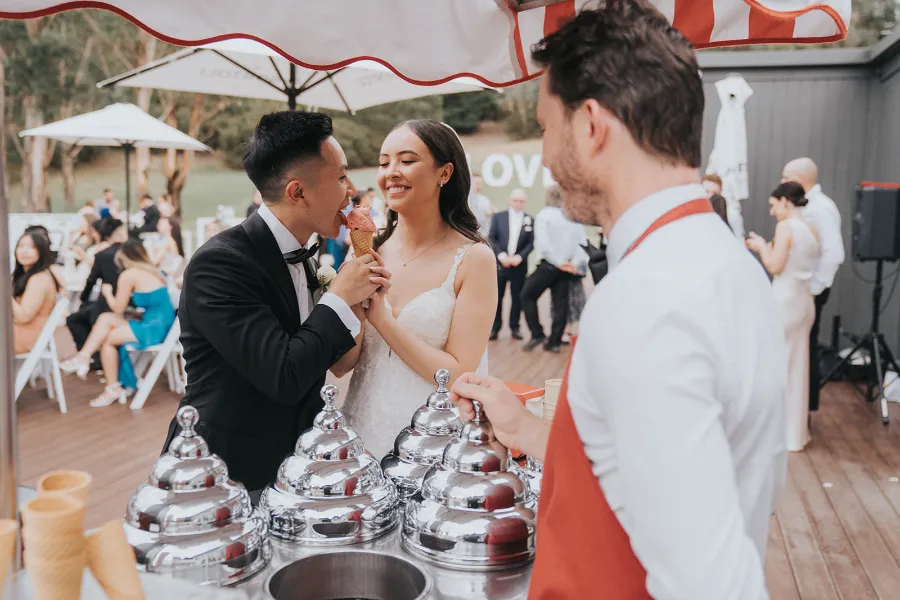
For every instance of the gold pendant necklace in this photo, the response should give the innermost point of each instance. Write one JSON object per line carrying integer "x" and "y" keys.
{"x": 406, "y": 262}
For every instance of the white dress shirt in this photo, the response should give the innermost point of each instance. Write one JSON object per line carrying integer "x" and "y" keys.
{"x": 557, "y": 239}
{"x": 824, "y": 215}
{"x": 288, "y": 243}
{"x": 516, "y": 220}
{"x": 677, "y": 391}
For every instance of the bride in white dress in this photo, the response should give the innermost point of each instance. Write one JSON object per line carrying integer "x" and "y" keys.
{"x": 443, "y": 295}
{"x": 791, "y": 258}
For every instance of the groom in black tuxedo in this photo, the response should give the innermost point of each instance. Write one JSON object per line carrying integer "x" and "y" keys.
{"x": 259, "y": 332}
{"x": 512, "y": 238}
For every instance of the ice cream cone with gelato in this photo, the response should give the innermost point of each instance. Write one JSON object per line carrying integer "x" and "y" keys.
{"x": 362, "y": 230}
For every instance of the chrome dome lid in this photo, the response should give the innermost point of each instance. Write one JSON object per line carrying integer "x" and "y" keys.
{"x": 532, "y": 473}
{"x": 190, "y": 521}
{"x": 473, "y": 509}
{"x": 331, "y": 491}
{"x": 421, "y": 445}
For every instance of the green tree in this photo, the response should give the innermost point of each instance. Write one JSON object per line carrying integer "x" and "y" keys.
{"x": 465, "y": 112}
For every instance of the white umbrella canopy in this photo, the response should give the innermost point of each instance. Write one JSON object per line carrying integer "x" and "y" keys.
{"x": 433, "y": 41}
{"x": 122, "y": 125}
{"x": 117, "y": 125}
{"x": 249, "y": 69}
{"x": 729, "y": 155}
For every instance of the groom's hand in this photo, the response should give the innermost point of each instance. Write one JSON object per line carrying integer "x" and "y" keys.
{"x": 355, "y": 281}
{"x": 361, "y": 278}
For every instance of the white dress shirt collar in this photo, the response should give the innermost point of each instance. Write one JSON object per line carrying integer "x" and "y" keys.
{"x": 816, "y": 189}
{"x": 639, "y": 217}
{"x": 283, "y": 237}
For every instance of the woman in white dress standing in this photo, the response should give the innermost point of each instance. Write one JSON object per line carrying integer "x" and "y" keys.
{"x": 443, "y": 294}
{"x": 791, "y": 258}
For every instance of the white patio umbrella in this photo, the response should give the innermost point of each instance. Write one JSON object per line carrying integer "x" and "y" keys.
{"x": 729, "y": 156}
{"x": 249, "y": 69}
{"x": 433, "y": 41}
{"x": 122, "y": 125}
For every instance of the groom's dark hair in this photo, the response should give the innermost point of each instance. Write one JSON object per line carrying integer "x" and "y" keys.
{"x": 281, "y": 140}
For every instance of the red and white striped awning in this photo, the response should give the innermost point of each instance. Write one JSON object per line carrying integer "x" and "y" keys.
{"x": 432, "y": 41}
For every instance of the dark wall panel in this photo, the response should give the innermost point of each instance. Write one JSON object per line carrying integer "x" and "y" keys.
{"x": 822, "y": 113}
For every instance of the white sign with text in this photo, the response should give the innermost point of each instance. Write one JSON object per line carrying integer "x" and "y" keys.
{"x": 500, "y": 170}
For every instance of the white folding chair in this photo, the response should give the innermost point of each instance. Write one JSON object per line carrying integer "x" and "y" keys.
{"x": 45, "y": 356}
{"x": 164, "y": 357}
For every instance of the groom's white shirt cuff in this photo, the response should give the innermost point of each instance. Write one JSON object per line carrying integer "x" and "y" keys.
{"x": 337, "y": 304}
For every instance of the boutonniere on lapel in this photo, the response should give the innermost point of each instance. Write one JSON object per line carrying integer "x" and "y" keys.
{"x": 527, "y": 220}
{"x": 324, "y": 276}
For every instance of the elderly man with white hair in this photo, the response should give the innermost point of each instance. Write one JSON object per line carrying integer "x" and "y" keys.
{"x": 823, "y": 214}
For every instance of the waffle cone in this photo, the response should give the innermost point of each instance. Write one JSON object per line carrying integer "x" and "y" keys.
{"x": 73, "y": 483}
{"x": 52, "y": 515}
{"x": 112, "y": 561}
{"x": 8, "y": 528}
{"x": 53, "y": 547}
{"x": 57, "y": 579}
{"x": 362, "y": 242}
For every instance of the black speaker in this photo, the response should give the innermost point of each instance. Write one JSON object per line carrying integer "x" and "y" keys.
{"x": 876, "y": 223}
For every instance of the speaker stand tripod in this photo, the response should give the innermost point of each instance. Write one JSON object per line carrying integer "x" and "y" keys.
{"x": 879, "y": 352}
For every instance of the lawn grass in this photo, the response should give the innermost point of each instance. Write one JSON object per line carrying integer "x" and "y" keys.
{"x": 211, "y": 184}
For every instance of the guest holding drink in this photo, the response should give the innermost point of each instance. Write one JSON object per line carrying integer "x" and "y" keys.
{"x": 792, "y": 258}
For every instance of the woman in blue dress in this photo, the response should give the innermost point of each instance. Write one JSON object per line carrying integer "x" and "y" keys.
{"x": 113, "y": 335}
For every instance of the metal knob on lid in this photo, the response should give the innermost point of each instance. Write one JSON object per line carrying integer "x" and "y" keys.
{"x": 473, "y": 509}
{"x": 190, "y": 521}
{"x": 422, "y": 444}
{"x": 331, "y": 491}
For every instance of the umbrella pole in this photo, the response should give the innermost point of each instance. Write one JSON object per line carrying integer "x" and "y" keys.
{"x": 128, "y": 150}
{"x": 8, "y": 463}
{"x": 292, "y": 90}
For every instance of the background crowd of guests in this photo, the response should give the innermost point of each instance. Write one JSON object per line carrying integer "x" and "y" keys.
{"x": 802, "y": 259}
{"x": 125, "y": 279}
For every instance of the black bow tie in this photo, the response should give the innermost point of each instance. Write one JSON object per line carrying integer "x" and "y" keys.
{"x": 301, "y": 255}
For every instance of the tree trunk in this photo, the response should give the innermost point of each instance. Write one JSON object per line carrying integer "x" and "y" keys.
{"x": 34, "y": 161}
{"x": 178, "y": 162}
{"x": 68, "y": 154}
{"x": 146, "y": 52}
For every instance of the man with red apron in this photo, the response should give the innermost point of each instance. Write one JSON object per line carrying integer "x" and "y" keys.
{"x": 666, "y": 455}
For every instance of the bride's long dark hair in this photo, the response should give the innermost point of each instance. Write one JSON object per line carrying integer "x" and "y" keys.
{"x": 445, "y": 147}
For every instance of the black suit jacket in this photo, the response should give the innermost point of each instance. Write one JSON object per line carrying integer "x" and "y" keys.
{"x": 105, "y": 270}
{"x": 499, "y": 236}
{"x": 254, "y": 372}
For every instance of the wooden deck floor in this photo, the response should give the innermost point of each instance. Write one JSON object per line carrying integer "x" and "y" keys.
{"x": 836, "y": 534}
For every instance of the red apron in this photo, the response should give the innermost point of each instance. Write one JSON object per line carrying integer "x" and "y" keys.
{"x": 582, "y": 550}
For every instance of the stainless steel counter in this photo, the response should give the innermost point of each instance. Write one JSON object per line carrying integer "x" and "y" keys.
{"x": 447, "y": 584}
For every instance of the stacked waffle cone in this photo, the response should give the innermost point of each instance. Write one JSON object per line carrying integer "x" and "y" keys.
{"x": 56, "y": 549}
{"x": 55, "y": 552}
{"x": 551, "y": 396}
{"x": 8, "y": 530}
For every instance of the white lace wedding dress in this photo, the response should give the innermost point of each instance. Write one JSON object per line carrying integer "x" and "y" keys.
{"x": 384, "y": 392}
